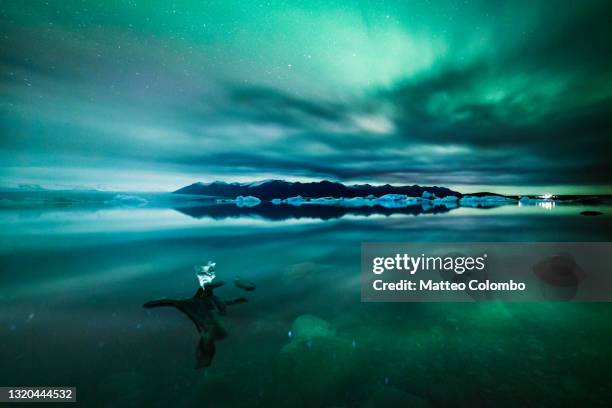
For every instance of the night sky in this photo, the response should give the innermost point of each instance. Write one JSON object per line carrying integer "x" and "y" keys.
{"x": 152, "y": 95}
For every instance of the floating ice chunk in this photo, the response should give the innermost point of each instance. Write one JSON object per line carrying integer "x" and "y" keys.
{"x": 247, "y": 201}
{"x": 391, "y": 204}
{"x": 393, "y": 197}
{"x": 448, "y": 202}
{"x": 128, "y": 200}
{"x": 400, "y": 203}
{"x": 205, "y": 273}
{"x": 470, "y": 201}
{"x": 428, "y": 196}
{"x": 325, "y": 201}
{"x": 297, "y": 200}
{"x": 357, "y": 202}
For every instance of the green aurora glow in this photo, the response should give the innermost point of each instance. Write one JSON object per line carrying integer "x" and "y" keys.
{"x": 507, "y": 97}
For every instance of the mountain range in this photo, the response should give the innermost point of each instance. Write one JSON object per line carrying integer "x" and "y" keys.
{"x": 269, "y": 189}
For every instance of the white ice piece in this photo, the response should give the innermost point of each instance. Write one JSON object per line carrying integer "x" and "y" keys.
{"x": 247, "y": 201}
{"x": 325, "y": 201}
{"x": 428, "y": 196}
{"x": 393, "y": 197}
{"x": 297, "y": 200}
{"x": 205, "y": 273}
{"x": 357, "y": 202}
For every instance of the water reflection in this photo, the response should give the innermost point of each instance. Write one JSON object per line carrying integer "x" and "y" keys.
{"x": 100, "y": 265}
{"x": 548, "y": 205}
{"x": 273, "y": 212}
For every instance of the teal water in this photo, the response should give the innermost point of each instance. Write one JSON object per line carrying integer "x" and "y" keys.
{"x": 74, "y": 279}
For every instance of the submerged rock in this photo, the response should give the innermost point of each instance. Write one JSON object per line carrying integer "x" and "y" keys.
{"x": 560, "y": 277}
{"x": 244, "y": 284}
{"x": 317, "y": 371}
{"x": 316, "y": 367}
{"x": 591, "y": 213}
{"x": 309, "y": 326}
{"x": 302, "y": 270}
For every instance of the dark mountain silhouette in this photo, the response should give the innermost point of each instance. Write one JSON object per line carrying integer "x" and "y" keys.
{"x": 269, "y": 189}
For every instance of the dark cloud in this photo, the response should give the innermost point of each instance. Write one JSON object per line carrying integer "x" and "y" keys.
{"x": 273, "y": 105}
{"x": 533, "y": 106}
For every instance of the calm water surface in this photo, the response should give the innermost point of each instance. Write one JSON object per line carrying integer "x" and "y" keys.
{"x": 74, "y": 280}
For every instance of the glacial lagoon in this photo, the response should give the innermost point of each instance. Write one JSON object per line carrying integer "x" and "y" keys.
{"x": 75, "y": 273}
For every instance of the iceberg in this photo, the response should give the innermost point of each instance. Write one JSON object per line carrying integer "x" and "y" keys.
{"x": 297, "y": 200}
{"x": 393, "y": 197}
{"x": 428, "y": 196}
{"x": 128, "y": 200}
{"x": 357, "y": 202}
{"x": 397, "y": 201}
{"x": 447, "y": 201}
{"x": 247, "y": 201}
{"x": 325, "y": 201}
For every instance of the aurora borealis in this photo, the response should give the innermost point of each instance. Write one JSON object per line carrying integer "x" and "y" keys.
{"x": 153, "y": 95}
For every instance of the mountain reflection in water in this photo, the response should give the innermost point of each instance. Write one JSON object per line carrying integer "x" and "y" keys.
{"x": 273, "y": 212}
